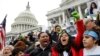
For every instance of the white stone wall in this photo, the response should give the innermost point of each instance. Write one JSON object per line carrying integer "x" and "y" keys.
{"x": 62, "y": 11}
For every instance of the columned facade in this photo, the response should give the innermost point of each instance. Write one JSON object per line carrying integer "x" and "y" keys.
{"x": 63, "y": 13}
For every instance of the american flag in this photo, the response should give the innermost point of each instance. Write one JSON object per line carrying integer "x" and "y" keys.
{"x": 3, "y": 33}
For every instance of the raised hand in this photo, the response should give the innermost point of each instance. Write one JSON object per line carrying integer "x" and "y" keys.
{"x": 76, "y": 16}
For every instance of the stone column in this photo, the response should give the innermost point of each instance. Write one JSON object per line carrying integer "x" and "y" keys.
{"x": 80, "y": 12}
{"x": 63, "y": 17}
{"x": 11, "y": 28}
{"x": 67, "y": 19}
{"x": 25, "y": 26}
{"x": 28, "y": 26}
{"x": 20, "y": 27}
{"x": 15, "y": 27}
{"x": 59, "y": 20}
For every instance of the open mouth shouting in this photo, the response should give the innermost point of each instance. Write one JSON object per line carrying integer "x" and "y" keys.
{"x": 64, "y": 41}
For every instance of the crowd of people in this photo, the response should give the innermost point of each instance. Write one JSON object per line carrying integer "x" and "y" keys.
{"x": 59, "y": 42}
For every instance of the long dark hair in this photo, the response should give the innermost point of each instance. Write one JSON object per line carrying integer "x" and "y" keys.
{"x": 91, "y": 8}
{"x": 60, "y": 48}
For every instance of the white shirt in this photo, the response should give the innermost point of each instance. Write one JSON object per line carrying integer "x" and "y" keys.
{"x": 65, "y": 53}
{"x": 92, "y": 52}
{"x": 95, "y": 11}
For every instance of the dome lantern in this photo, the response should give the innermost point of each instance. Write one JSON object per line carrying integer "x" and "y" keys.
{"x": 28, "y": 6}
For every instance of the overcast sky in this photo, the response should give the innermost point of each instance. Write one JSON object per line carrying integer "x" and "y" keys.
{"x": 38, "y": 7}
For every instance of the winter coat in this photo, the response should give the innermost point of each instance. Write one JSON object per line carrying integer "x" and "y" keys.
{"x": 77, "y": 40}
{"x": 40, "y": 52}
{"x": 54, "y": 36}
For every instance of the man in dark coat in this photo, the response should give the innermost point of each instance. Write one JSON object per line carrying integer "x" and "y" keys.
{"x": 55, "y": 33}
{"x": 31, "y": 37}
{"x": 44, "y": 48}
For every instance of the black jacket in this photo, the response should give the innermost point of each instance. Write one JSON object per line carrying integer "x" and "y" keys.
{"x": 29, "y": 49}
{"x": 54, "y": 36}
{"x": 40, "y": 52}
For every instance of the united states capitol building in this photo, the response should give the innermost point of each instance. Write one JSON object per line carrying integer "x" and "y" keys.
{"x": 24, "y": 23}
{"x": 62, "y": 14}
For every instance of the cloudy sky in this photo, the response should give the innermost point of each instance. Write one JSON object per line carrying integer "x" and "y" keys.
{"x": 38, "y": 7}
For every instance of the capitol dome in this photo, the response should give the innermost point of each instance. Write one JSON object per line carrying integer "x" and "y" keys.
{"x": 24, "y": 21}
